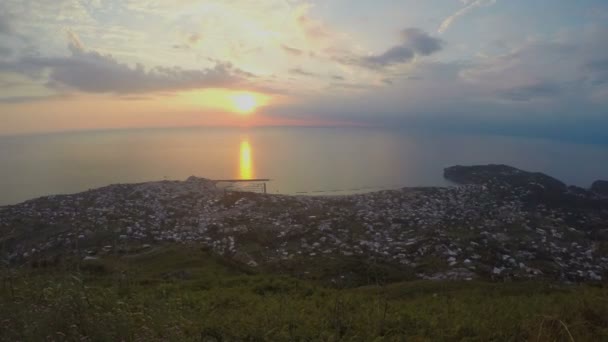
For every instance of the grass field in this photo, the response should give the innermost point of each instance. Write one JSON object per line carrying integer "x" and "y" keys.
{"x": 177, "y": 293}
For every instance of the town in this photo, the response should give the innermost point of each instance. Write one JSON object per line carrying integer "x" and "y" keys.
{"x": 498, "y": 223}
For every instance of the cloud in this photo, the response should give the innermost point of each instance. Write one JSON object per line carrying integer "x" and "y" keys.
{"x": 414, "y": 43}
{"x": 189, "y": 41}
{"x": 5, "y": 20}
{"x": 420, "y": 41}
{"x": 24, "y": 99}
{"x": 564, "y": 71}
{"x": 5, "y": 27}
{"x": 394, "y": 55}
{"x": 292, "y": 51}
{"x": 599, "y": 95}
{"x": 554, "y": 87}
{"x": 302, "y": 72}
{"x": 90, "y": 71}
{"x": 597, "y": 71}
{"x": 195, "y": 38}
{"x": 74, "y": 43}
{"x": 5, "y": 51}
{"x": 350, "y": 86}
{"x": 529, "y": 92}
{"x": 321, "y": 39}
{"x": 469, "y": 6}
{"x": 312, "y": 28}
{"x": 319, "y": 75}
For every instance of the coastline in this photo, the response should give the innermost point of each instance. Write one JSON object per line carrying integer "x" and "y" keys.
{"x": 495, "y": 225}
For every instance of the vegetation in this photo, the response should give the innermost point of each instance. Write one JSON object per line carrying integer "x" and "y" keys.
{"x": 174, "y": 293}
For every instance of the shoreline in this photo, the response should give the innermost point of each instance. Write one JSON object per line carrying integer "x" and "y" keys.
{"x": 500, "y": 223}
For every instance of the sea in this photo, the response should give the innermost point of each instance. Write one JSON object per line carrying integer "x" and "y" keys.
{"x": 297, "y": 160}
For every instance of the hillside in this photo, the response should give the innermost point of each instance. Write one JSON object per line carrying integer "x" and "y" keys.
{"x": 501, "y": 223}
{"x": 182, "y": 293}
{"x": 182, "y": 260}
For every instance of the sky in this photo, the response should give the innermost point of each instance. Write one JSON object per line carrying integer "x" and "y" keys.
{"x": 509, "y": 67}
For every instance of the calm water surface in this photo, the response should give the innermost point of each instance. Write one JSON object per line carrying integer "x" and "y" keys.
{"x": 296, "y": 159}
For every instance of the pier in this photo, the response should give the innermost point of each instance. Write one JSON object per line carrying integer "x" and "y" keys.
{"x": 247, "y": 185}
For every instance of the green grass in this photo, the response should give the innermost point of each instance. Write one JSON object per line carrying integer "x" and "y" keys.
{"x": 182, "y": 293}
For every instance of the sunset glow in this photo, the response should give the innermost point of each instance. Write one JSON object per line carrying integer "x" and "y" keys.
{"x": 80, "y": 65}
{"x": 224, "y": 100}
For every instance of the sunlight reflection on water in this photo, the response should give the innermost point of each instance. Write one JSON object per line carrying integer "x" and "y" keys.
{"x": 298, "y": 160}
{"x": 245, "y": 161}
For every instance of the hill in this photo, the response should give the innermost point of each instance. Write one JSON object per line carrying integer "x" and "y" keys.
{"x": 182, "y": 293}
{"x": 504, "y": 255}
{"x": 502, "y": 223}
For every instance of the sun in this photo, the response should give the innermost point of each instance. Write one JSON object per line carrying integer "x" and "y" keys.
{"x": 244, "y": 103}
{"x": 238, "y": 101}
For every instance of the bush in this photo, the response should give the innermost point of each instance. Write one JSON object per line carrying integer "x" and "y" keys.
{"x": 137, "y": 304}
